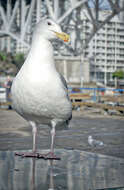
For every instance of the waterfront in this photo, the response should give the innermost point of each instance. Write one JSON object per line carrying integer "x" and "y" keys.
{"x": 81, "y": 167}
{"x": 15, "y": 134}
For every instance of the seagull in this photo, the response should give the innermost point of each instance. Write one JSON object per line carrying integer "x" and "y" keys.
{"x": 39, "y": 92}
{"x": 94, "y": 142}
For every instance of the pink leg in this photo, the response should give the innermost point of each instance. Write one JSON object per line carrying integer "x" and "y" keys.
{"x": 33, "y": 153}
{"x": 51, "y": 154}
{"x": 34, "y": 132}
{"x": 53, "y": 133}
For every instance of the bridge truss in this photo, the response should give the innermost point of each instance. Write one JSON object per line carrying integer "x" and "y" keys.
{"x": 17, "y": 20}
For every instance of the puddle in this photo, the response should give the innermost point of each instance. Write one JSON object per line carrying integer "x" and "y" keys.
{"x": 77, "y": 170}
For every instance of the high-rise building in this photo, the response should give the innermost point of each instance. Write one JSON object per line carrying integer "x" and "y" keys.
{"x": 106, "y": 48}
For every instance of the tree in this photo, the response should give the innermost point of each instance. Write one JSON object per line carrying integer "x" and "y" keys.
{"x": 9, "y": 63}
{"x": 7, "y": 66}
{"x": 3, "y": 56}
{"x": 18, "y": 60}
{"x": 119, "y": 74}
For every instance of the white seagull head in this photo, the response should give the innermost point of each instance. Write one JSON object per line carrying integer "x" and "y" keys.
{"x": 50, "y": 30}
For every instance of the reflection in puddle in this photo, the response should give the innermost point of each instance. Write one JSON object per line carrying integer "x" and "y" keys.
{"x": 75, "y": 171}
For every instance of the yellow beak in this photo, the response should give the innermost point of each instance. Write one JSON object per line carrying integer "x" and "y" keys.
{"x": 63, "y": 36}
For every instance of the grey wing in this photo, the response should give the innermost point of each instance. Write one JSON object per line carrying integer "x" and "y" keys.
{"x": 63, "y": 81}
{"x": 65, "y": 85}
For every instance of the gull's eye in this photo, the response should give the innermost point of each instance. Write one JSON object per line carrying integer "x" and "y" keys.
{"x": 49, "y": 23}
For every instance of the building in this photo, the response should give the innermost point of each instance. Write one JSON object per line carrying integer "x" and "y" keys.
{"x": 103, "y": 55}
{"x": 106, "y": 49}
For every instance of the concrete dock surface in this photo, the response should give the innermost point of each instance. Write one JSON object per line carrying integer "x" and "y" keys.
{"x": 77, "y": 170}
{"x": 16, "y": 134}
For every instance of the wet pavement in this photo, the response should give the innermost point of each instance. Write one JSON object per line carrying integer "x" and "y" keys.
{"x": 16, "y": 134}
{"x": 77, "y": 170}
{"x": 81, "y": 167}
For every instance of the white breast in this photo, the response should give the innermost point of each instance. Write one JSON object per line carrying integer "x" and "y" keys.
{"x": 37, "y": 91}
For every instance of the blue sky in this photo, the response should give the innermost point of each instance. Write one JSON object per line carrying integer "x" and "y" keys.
{"x": 103, "y": 4}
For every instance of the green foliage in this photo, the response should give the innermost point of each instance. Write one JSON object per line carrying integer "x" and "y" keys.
{"x": 9, "y": 63}
{"x": 19, "y": 57}
{"x": 118, "y": 74}
{"x": 19, "y": 60}
{"x": 3, "y": 56}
